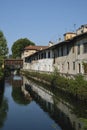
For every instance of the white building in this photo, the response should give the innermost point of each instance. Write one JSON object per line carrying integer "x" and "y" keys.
{"x": 40, "y": 61}
{"x": 29, "y": 50}
{"x": 67, "y": 56}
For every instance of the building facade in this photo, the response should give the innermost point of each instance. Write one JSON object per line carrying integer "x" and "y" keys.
{"x": 67, "y": 56}
{"x": 29, "y": 50}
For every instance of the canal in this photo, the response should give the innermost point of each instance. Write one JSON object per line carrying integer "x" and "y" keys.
{"x": 26, "y": 105}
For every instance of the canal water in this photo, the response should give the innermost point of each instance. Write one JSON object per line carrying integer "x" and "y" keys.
{"x": 26, "y": 105}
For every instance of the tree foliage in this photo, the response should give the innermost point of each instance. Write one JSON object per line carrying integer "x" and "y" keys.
{"x": 3, "y": 45}
{"x": 3, "y": 50}
{"x": 18, "y": 96}
{"x": 85, "y": 67}
{"x": 19, "y": 45}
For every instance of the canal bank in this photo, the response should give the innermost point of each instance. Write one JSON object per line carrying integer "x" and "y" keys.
{"x": 77, "y": 88}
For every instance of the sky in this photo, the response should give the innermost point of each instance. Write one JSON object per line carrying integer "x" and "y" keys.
{"x": 40, "y": 21}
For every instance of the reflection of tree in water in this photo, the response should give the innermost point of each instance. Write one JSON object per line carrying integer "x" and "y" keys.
{"x": 19, "y": 97}
{"x": 3, "y": 107}
{"x": 3, "y": 112}
{"x": 17, "y": 83}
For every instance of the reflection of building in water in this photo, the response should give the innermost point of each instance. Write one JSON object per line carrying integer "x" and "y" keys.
{"x": 43, "y": 93}
{"x": 26, "y": 93}
{"x": 58, "y": 109}
{"x": 67, "y": 110}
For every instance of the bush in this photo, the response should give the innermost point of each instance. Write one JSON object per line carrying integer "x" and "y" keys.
{"x": 77, "y": 87}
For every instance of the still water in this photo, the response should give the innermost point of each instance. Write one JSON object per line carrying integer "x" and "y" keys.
{"x": 26, "y": 105}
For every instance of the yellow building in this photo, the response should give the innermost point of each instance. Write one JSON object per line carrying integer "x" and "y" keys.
{"x": 69, "y": 35}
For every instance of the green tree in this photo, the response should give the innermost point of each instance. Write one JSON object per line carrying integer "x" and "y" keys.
{"x": 3, "y": 45}
{"x": 3, "y": 51}
{"x": 19, "y": 45}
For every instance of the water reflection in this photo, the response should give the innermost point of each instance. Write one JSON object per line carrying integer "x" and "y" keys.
{"x": 19, "y": 95}
{"x": 3, "y": 106}
{"x": 59, "y": 109}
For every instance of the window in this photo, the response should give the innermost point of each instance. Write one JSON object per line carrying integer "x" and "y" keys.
{"x": 39, "y": 56}
{"x": 54, "y": 58}
{"x": 61, "y": 50}
{"x": 73, "y": 65}
{"x": 49, "y": 54}
{"x": 58, "y": 52}
{"x": 62, "y": 67}
{"x": 79, "y": 68}
{"x": 36, "y": 57}
{"x": 73, "y": 48}
{"x": 78, "y": 49}
{"x": 67, "y": 49}
{"x": 68, "y": 65}
{"x": 44, "y": 54}
{"x": 85, "y": 47}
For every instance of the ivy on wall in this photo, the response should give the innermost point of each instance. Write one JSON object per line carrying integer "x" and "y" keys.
{"x": 85, "y": 67}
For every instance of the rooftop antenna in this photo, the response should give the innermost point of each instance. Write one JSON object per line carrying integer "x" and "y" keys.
{"x": 59, "y": 38}
{"x": 65, "y": 30}
{"x": 74, "y": 27}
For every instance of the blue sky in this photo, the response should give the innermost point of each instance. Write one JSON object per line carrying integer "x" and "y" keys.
{"x": 40, "y": 20}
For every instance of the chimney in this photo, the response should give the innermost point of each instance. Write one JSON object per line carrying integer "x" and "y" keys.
{"x": 50, "y": 43}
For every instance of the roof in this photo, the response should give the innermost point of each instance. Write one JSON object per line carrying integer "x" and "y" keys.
{"x": 82, "y": 26}
{"x": 13, "y": 59}
{"x": 63, "y": 42}
{"x": 35, "y": 47}
{"x": 69, "y": 33}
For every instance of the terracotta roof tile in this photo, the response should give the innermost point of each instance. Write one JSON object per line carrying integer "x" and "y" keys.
{"x": 35, "y": 47}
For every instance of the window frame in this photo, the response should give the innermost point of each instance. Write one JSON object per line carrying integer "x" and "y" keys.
{"x": 85, "y": 47}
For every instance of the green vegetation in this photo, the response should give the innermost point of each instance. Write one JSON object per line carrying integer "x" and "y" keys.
{"x": 85, "y": 67}
{"x": 3, "y": 111}
{"x": 3, "y": 105}
{"x": 85, "y": 123}
{"x": 1, "y": 73}
{"x": 3, "y": 51}
{"x": 19, "y": 45}
{"x": 76, "y": 88}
